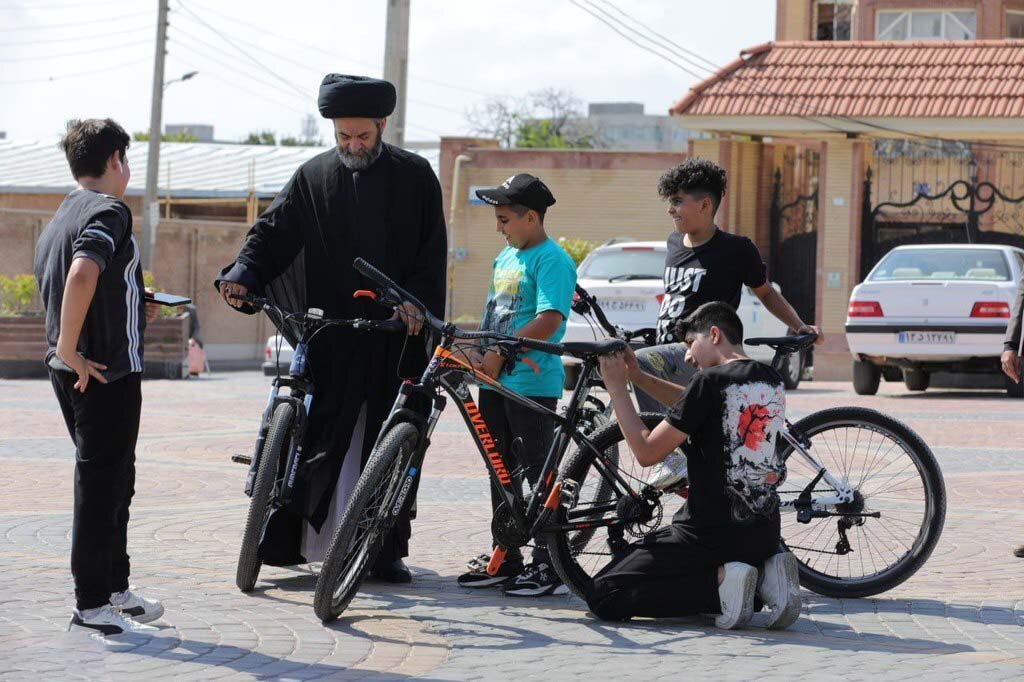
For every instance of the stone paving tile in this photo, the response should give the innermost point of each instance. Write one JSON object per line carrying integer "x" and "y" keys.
{"x": 961, "y": 615}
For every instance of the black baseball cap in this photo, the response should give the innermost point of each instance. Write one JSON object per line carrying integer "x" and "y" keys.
{"x": 521, "y": 188}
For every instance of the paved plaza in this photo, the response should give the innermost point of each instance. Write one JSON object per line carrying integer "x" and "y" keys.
{"x": 961, "y": 616}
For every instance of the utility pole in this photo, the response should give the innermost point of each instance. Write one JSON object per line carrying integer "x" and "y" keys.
{"x": 150, "y": 212}
{"x": 396, "y": 66}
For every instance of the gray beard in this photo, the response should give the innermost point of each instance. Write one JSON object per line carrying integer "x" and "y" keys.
{"x": 362, "y": 160}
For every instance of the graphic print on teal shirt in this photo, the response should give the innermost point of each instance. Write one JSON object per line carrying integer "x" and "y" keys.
{"x": 525, "y": 283}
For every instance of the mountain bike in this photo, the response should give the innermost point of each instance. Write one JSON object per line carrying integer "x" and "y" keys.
{"x": 277, "y": 455}
{"x": 863, "y": 503}
{"x": 382, "y": 491}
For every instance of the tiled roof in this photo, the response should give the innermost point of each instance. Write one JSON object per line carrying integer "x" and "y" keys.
{"x": 957, "y": 79}
{"x": 191, "y": 169}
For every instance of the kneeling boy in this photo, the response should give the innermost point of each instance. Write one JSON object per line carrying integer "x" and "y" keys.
{"x": 727, "y": 420}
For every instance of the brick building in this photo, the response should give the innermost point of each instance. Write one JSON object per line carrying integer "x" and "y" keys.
{"x": 839, "y": 149}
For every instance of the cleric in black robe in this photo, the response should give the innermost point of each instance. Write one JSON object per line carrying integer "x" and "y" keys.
{"x": 362, "y": 199}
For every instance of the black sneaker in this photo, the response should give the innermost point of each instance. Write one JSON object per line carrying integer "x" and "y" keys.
{"x": 477, "y": 575}
{"x": 537, "y": 580}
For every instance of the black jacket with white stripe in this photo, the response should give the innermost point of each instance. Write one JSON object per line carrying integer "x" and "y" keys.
{"x": 99, "y": 227}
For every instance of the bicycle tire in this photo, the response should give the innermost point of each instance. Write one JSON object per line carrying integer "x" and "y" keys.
{"x": 351, "y": 554}
{"x": 932, "y": 518}
{"x": 565, "y": 547}
{"x": 591, "y": 422}
{"x": 278, "y": 438}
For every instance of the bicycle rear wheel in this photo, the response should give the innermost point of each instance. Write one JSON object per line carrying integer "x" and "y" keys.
{"x": 275, "y": 449}
{"x": 892, "y": 472}
{"x": 578, "y": 554}
{"x": 378, "y": 498}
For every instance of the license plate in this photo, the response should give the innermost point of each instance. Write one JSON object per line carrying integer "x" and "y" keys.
{"x": 926, "y": 337}
{"x": 623, "y": 305}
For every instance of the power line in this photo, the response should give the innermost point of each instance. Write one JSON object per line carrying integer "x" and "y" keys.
{"x": 255, "y": 61}
{"x": 669, "y": 41}
{"x": 105, "y": 48}
{"x": 79, "y": 74}
{"x": 234, "y": 84}
{"x": 319, "y": 72}
{"x": 66, "y": 5}
{"x": 120, "y": 32}
{"x": 810, "y": 115}
{"x": 297, "y": 43}
{"x": 75, "y": 24}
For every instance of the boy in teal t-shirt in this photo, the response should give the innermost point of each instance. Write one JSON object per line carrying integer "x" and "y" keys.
{"x": 532, "y": 285}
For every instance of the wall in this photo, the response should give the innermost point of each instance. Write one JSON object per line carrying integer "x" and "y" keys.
{"x": 599, "y": 195}
{"x": 190, "y": 254}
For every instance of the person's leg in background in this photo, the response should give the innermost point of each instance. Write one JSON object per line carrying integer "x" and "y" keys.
{"x": 665, "y": 362}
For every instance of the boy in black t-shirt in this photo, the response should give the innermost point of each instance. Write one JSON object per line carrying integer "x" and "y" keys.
{"x": 87, "y": 267}
{"x": 727, "y": 422}
{"x": 703, "y": 264}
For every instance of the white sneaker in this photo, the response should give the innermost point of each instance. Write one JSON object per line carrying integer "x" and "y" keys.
{"x": 135, "y": 607}
{"x": 736, "y": 594}
{"x": 779, "y": 589}
{"x": 106, "y": 621}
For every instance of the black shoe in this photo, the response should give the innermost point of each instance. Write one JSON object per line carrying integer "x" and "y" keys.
{"x": 1019, "y": 552}
{"x": 477, "y": 575}
{"x": 395, "y": 572}
{"x": 537, "y": 580}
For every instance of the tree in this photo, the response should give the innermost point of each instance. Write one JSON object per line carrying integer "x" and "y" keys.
{"x": 266, "y": 137}
{"x": 543, "y": 118}
{"x": 180, "y": 136}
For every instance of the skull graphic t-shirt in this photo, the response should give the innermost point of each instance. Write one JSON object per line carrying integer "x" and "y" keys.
{"x": 733, "y": 414}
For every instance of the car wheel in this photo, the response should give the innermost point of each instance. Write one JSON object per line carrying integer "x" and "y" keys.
{"x": 1013, "y": 388}
{"x": 916, "y": 379}
{"x": 866, "y": 377}
{"x": 792, "y": 370}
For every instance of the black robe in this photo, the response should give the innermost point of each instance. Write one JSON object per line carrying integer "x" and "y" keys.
{"x": 299, "y": 253}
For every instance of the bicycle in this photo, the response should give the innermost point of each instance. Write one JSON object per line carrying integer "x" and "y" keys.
{"x": 277, "y": 455}
{"x": 881, "y": 485}
{"x": 382, "y": 491}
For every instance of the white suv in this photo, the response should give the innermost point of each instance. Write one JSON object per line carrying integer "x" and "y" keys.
{"x": 627, "y": 279}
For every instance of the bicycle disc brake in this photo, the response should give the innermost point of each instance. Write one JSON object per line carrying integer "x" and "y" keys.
{"x": 642, "y": 516}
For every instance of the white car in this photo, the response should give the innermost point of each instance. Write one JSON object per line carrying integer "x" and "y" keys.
{"x": 277, "y": 356}
{"x": 932, "y": 307}
{"x": 627, "y": 279}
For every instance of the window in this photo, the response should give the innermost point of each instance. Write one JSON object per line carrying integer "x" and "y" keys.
{"x": 926, "y": 25}
{"x": 835, "y": 19}
{"x": 1015, "y": 24}
{"x": 943, "y": 264}
{"x": 636, "y": 262}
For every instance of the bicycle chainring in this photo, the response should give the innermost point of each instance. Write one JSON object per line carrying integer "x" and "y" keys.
{"x": 506, "y": 530}
{"x": 642, "y": 516}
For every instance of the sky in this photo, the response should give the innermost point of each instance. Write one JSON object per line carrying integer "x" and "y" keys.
{"x": 260, "y": 62}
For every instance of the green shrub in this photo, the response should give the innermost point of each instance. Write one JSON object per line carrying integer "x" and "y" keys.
{"x": 577, "y": 248}
{"x": 17, "y": 295}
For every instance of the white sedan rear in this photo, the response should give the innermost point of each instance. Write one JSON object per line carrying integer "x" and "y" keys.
{"x": 929, "y": 308}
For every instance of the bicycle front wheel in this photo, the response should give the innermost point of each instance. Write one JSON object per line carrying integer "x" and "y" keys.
{"x": 379, "y": 496}
{"x": 275, "y": 450}
{"x": 893, "y": 474}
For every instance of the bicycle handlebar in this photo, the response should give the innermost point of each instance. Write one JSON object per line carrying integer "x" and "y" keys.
{"x": 359, "y": 324}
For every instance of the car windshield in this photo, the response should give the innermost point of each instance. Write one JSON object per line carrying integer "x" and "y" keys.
{"x": 950, "y": 264}
{"x": 635, "y": 263}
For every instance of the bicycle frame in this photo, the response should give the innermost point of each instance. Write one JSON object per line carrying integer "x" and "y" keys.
{"x": 448, "y": 373}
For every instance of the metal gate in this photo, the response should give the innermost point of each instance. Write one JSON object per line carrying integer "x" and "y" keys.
{"x": 931, "y": 194}
{"x": 793, "y": 230}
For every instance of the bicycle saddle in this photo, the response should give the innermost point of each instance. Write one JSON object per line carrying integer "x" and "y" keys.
{"x": 582, "y": 349}
{"x": 785, "y": 344}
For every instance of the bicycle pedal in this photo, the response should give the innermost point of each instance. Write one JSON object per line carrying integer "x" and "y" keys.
{"x": 241, "y": 459}
{"x": 569, "y": 494}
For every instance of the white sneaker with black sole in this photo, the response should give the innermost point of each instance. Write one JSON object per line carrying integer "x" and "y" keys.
{"x": 135, "y": 607}
{"x": 779, "y": 589}
{"x": 736, "y": 595}
{"x": 477, "y": 575}
{"x": 106, "y": 621}
{"x": 536, "y": 580}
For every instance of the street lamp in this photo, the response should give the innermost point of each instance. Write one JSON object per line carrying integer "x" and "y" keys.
{"x": 184, "y": 77}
